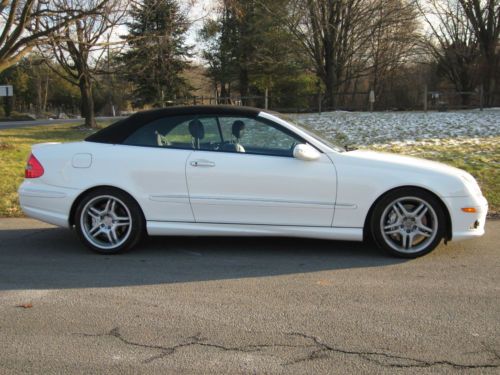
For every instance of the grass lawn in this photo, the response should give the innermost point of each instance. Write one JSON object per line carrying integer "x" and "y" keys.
{"x": 478, "y": 156}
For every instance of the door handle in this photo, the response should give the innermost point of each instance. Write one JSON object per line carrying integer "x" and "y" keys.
{"x": 202, "y": 163}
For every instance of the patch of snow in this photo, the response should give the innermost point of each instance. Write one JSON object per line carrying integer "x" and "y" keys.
{"x": 367, "y": 128}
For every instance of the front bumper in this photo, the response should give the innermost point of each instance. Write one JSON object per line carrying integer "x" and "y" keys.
{"x": 467, "y": 225}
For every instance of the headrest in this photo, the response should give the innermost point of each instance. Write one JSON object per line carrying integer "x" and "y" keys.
{"x": 196, "y": 129}
{"x": 238, "y": 129}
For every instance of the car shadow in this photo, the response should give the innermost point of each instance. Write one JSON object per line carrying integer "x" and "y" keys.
{"x": 53, "y": 258}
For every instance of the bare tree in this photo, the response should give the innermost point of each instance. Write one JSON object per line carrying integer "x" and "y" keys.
{"x": 26, "y": 23}
{"x": 340, "y": 37}
{"x": 81, "y": 45}
{"x": 484, "y": 18}
{"x": 392, "y": 41}
{"x": 452, "y": 43}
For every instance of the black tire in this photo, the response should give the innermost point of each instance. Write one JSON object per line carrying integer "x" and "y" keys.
{"x": 408, "y": 222}
{"x": 102, "y": 226}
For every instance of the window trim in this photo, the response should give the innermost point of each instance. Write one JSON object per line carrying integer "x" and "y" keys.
{"x": 217, "y": 118}
{"x": 268, "y": 122}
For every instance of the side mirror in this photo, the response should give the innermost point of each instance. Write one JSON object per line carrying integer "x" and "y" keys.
{"x": 306, "y": 152}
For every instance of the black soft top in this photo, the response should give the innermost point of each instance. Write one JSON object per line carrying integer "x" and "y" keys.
{"x": 119, "y": 131}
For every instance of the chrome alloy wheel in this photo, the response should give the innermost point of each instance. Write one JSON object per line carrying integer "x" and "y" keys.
{"x": 106, "y": 222}
{"x": 409, "y": 224}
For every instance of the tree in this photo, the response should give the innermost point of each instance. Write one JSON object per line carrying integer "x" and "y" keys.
{"x": 38, "y": 88}
{"x": 157, "y": 51}
{"x": 80, "y": 46}
{"x": 392, "y": 42}
{"x": 241, "y": 47}
{"x": 27, "y": 23}
{"x": 452, "y": 43}
{"x": 220, "y": 38}
{"x": 484, "y": 18}
{"x": 331, "y": 32}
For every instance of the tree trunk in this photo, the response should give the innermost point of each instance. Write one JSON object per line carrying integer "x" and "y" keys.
{"x": 330, "y": 80}
{"x": 244, "y": 85}
{"x": 489, "y": 81}
{"x": 87, "y": 104}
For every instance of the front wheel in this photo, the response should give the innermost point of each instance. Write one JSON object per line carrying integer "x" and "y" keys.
{"x": 109, "y": 221}
{"x": 408, "y": 223}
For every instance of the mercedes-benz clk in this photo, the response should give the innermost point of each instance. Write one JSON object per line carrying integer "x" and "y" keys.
{"x": 238, "y": 171}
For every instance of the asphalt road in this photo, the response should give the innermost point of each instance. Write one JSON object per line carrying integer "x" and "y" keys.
{"x": 281, "y": 306}
{"x": 24, "y": 124}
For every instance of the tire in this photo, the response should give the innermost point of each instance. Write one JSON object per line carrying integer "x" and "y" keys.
{"x": 408, "y": 222}
{"x": 109, "y": 221}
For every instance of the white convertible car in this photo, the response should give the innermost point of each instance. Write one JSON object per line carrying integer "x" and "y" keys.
{"x": 236, "y": 171}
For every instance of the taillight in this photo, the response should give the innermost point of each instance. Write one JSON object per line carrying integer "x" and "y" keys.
{"x": 33, "y": 168}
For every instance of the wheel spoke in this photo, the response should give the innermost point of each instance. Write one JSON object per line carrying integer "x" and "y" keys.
{"x": 425, "y": 228}
{"x": 400, "y": 210}
{"x": 423, "y": 233}
{"x": 112, "y": 208}
{"x": 121, "y": 221}
{"x": 94, "y": 230}
{"x": 392, "y": 226}
{"x": 110, "y": 239}
{"x": 113, "y": 235}
{"x": 411, "y": 236}
{"x": 393, "y": 231}
{"x": 108, "y": 205}
{"x": 97, "y": 233}
{"x": 94, "y": 212}
{"x": 419, "y": 211}
{"x": 404, "y": 240}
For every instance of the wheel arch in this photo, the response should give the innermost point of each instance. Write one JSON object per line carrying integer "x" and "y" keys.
{"x": 78, "y": 199}
{"x": 448, "y": 224}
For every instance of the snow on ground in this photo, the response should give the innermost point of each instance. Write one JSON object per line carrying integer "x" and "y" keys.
{"x": 367, "y": 128}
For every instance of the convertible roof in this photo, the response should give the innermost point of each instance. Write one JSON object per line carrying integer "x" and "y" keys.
{"x": 119, "y": 131}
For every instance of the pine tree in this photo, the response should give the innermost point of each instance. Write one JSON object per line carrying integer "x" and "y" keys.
{"x": 158, "y": 52}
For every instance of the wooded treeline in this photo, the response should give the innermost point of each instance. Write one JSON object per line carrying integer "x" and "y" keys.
{"x": 107, "y": 56}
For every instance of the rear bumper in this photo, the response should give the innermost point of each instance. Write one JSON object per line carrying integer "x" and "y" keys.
{"x": 50, "y": 204}
{"x": 467, "y": 225}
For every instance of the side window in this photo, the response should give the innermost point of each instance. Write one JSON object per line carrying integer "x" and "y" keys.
{"x": 257, "y": 136}
{"x": 185, "y": 132}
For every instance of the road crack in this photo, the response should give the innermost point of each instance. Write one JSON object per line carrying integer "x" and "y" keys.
{"x": 319, "y": 349}
{"x": 195, "y": 340}
{"x": 323, "y": 350}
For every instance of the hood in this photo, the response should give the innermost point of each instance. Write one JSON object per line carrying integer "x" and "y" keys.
{"x": 407, "y": 162}
{"x": 459, "y": 181}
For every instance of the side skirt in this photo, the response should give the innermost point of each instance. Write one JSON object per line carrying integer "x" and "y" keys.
{"x": 162, "y": 228}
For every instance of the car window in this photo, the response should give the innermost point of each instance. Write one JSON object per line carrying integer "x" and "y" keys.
{"x": 257, "y": 136}
{"x": 186, "y": 132}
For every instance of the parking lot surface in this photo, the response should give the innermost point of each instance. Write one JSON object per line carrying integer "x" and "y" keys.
{"x": 240, "y": 305}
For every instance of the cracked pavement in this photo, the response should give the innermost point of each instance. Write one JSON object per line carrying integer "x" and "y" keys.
{"x": 250, "y": 306}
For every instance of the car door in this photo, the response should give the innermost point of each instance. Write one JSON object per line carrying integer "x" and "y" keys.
{"x": 253, "y": 178}
{"x": 156, "y": 156}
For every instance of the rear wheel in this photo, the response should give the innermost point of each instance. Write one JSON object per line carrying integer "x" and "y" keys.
{"x": 109, "y": 221}
{"x": 408, "y": 223}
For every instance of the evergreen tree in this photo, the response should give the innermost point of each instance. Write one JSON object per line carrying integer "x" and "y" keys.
{"x": 248, "y": 48}
{"x": 158, "y": 52}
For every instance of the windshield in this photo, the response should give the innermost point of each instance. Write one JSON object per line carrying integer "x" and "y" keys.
{"x": 311, "y": 132}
